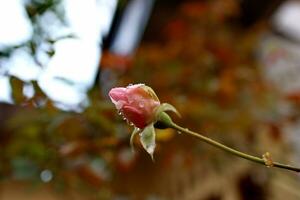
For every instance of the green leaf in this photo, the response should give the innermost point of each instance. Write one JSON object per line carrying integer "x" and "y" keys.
{"x": 167, "y": 107}
{"x": 148, "y": 139}
{"x": 133, "y": 134}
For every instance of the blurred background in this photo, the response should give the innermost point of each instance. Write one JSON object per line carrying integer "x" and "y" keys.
{"x": 231, "y": 68}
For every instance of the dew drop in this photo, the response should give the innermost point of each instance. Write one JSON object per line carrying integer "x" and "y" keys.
{"x": 179, "y": 132}
{"x": 119, "y": 112}
{"x": 130, "y": 100}
{"x": 128, "y": 122}
{"x": 46, "y": 175}
{"x": 141, "y": 105}
{"x": 119, "y": 104}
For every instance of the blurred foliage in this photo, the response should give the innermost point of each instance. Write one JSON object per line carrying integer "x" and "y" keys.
{"x": 41, "y": 40}
{"x": 202, "y": 62}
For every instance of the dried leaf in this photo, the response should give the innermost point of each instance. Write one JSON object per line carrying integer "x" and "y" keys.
{"x": 267, "y": 159}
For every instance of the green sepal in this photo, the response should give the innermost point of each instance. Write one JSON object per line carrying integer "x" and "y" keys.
{"x": 148, "y": 139}
{"x": 133, "y": 134}
{"x": 166, "y": 107}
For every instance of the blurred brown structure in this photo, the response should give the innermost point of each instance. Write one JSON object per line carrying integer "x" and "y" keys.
{"x": 200, "y": 56}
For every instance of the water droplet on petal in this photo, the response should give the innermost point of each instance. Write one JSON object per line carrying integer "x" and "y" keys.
{"x": 141, "y": 105}
{"x": 119, "y": 104}
{"x": 130, "y": 100}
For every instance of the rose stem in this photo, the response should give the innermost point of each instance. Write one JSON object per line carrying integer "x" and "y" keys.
{"x": 230, "y": 150}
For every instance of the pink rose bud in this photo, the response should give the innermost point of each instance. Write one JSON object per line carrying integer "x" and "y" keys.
{"x": 137, "y": 103}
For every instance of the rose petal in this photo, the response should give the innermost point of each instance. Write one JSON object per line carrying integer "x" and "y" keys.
{"x": 117, "y": 94}
{"x": 134, "y": 116}
{"x": 137, "y": 103}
